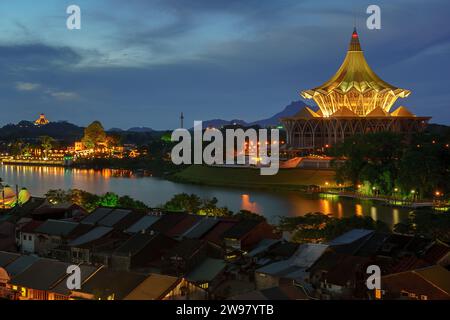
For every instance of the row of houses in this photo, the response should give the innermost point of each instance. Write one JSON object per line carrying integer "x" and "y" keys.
{"x": 33, "y": 278}
{"x": 411, "y": 267}
{"x": 123, "y": 254}
{"x": 193, "y": 249}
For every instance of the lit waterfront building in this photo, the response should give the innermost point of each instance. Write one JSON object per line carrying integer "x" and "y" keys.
{"x": 353, "y": 101}
{"x": 41, "y": 121}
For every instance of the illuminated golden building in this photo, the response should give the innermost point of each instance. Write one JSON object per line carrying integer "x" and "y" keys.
{"x": 355, "y": 100}
{"x": 41, "y": 121}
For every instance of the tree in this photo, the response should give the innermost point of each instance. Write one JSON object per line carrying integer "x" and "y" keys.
{"x": 248, "y": 215}
{"x": 57, "y": 196}
{"x": 319, "y": 227}
{"x": 128, "y": 202}
{"x": 425, "y": 166}
{"x": 372, "y": 157}
{"x": 426, "y": 223}
{"x": 94, "y": 134}
{"x": 210, "y": 208}
{"x": 109, "y": 199}
{"x": 47, "y": 144}
{"x": 184, "y": 202}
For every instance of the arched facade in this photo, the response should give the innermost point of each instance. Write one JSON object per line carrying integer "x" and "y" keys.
{"x": 354, "y": 101}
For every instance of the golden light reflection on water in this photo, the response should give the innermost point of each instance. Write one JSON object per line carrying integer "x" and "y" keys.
{"x": 359, "y": 210}
{"x": 156, "y": 191}
{"x": 340, "y": 210}
{"x": 396, "y": 216}
{"x": 58, "y": 171}
{"x": 373, "y": 213}
{"x": 247, "y": 204}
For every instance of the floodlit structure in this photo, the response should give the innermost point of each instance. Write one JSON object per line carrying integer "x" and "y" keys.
{"x": 353, "y": 101}
{"x": 41, "y": 121}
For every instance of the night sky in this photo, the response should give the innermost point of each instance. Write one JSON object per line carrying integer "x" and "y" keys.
{"x": 140, "y": 63}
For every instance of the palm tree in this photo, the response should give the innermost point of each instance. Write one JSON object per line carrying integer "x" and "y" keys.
{"x": 47, "y": 143}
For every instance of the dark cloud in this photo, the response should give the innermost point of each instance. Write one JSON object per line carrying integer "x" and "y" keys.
{"x": 250, "y": 68}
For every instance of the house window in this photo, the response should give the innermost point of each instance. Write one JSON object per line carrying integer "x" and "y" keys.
{"x": 24, "y": 237}
{"x": 412, "y": 295}
{"x": 422, "y": 297}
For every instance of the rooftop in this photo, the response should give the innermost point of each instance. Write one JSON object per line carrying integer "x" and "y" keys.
{"x": 50, "y": 273}
{"x": 200, "y": 228}
{"x": 7, "y": 257}
{"x": 96, "y": 215}
{"x": 154, "y": 287}
{"x": 106, "y": 283}
{"x": 143, "y": 224}
{"x": 207, "y": 270}
{"x": 94, "y": 234}
{"x": 241, "y": 229}
{"x": 56, "y": 227}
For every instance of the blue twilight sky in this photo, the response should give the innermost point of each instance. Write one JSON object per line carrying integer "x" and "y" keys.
{"x": 140, "y": 63}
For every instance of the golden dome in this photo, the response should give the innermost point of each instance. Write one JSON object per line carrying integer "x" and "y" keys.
{"x": 355, "y": 86}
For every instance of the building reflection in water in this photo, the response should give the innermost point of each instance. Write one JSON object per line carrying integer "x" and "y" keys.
{"x": 340, "y": 210}
{"x": 359, "y": 210}
{"x": 396, "y": 216}
{"x": 247, "y": 204}
{"x": 373, "y": 213}
{"x": 156, "y": 191}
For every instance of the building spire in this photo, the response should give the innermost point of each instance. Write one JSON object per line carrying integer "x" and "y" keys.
{"x": 354, "y": 42}
{"x": 182, "y": 121}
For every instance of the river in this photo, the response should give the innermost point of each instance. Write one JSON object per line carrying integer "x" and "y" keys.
{"x": 155, "y": 191}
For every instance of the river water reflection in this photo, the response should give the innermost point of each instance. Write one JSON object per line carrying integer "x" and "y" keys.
{"x": 155, "y": 191}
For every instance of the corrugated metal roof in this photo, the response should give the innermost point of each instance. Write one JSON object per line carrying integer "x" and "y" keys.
{"x": 113, "y": 217}
{"x": 96, "y": 215}
{"x": 142, "y": 224}
{"x": 7, "y": 257}
{"x": 200, "y": 228}
{"x": 350, "y": 236}
{"x": 262, "y": 246}
{"x": 184, "y": 225}
{"x": 20, "y": 264}
{"x": 86, "y": 272}
{"x": 155, "y": 287}
{"x": 56, "y": 227}
{"x": 207, "y": 270}
{"x": 241, "y": 228}
{"x": 136, "y": 243}
{"x": 119, "y": 283}
{"x": 92, "y": 235}
{"x": 305, "y": 256}
{"x": 43, "y": 274}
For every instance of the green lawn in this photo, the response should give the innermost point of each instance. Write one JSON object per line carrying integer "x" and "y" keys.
{"x": 250, "y": 177}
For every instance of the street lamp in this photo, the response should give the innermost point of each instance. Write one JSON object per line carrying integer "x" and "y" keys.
{"x": 374, "y": 190}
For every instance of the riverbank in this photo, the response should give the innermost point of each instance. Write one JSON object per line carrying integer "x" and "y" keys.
{"x": 297, "y": 179}
{"x": 388, "y": 201}
{"x": 50, "y": 163}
